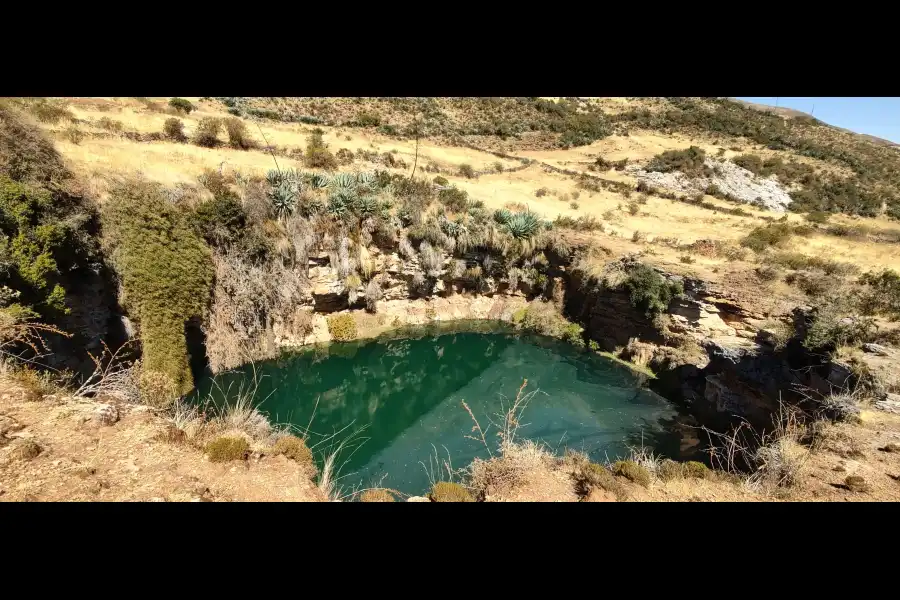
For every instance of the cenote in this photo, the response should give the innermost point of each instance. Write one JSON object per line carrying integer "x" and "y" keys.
{"x": 399, "y": 399}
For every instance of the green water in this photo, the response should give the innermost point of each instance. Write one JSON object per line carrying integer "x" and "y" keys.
{"x": 399, "y": 400}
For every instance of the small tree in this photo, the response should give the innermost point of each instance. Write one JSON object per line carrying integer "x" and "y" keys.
{"x": 207, "y": 133}
{"x": 181, "y": 105}
{"x": 317, "y": 154}
{"x": 174, "y": 129}
{"x": 237, "y": 134}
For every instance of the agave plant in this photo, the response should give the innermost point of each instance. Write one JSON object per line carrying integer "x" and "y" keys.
{"x": 320, "y": 180}
{"x": 503, "y": 216}
{"x": 365, "y": 206}
{"x": 522, "y": 225}
{"x": 284, "y": 199}
{"x": 337, "y": 207}
{"x": 343, "y": 181}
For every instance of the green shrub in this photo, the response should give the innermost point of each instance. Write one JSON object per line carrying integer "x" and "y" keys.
{"x": 818, "y": 216}
{"x": 165, "y": 270}
{"x": 544, "y": 318}
{"x": 690, "y": 162}
{"x": 344, "y": 156}
{"x": 317, "y": 154}
{"x": 207, "y": 134}
{"x": 882, "y": 293}
{"x": 541, "y": 192}
{"x": 466, "y": 171}
{"x": 376, "y": 495}
{"x": 445, "y": 491}
{"x": 573, "y": 205}
{"x": 438, "y": 180}
{"x": 50, "y": 111}
{"x": 225, "y": 449}
{"x": 174, "y": 129}
{"x": 669, "y": 470}
{"x": 454, "y": 198}
{"x": 45, "y": 236}
{"x": 367, "y": 119}
{"x": 649, "y": 291}
{"x": 294, "y": 448}
{"x": 181, "y": 105}
{"x": 773, "y": 234}
{"x": 632, "y": 471}
{"x": 342, "y": 327}
{"x": 237, "y": 134}
{"x": 592, "y": 475}
{"x": 696, "y": 470}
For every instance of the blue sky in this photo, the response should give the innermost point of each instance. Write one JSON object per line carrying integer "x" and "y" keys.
{"x": 875, "y": 116}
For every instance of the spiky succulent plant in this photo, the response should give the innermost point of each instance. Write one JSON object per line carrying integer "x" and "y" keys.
{"x": 503, "y": 216}
{"x": 284, "y": 199}
{"x": 522, "y": 225}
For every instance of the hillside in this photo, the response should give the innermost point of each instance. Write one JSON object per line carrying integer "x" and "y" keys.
{"x": 258, "y": 224}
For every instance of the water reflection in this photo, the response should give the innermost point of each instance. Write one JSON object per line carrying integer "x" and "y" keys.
{"x": 407, "y": 393}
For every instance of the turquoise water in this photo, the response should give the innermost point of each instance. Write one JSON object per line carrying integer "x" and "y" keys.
{"x": 397, "y": 402}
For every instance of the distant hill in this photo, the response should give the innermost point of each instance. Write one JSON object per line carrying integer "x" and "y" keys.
{"x": 791, "y": 113}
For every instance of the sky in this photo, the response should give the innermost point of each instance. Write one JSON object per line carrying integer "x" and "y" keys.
{"x": 876, "y": 116}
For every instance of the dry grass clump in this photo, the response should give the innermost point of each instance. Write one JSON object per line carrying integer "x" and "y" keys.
{"x": 632, "y": 471}
{"x": 35, "y": 384}
{"x": 227, "y": 448}
{"x": 509, "y": 469}
{"x": 294, "y": 448}
{"x": 669, "y": 470}
{"x": 376, "y": 495}
{"x": 27, "y": 449}
{"x": 446, "y": 491}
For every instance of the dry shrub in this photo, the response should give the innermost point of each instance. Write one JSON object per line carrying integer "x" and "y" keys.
{"x": 696, "y": 470}
{"x": 228, "y": 448}
{"x": 207, "y": 134}
{"x": 510, "y": 469}
{"x": 246, "y": 304}
{"x": 237, "y": 134}
{"x": 174, "y": 129}
{"x": 592, "y": 475}
{"x": 446, "y": 491}
{"x": 376, "y": 495}
{"x": 26, "y": 449}
{"x": 157, "y": 389}
{"x": 294, "y": 448}
{"x": 342, "y": 327}
{"x": 669, "y": 470}
{"x": 632, "y": 471}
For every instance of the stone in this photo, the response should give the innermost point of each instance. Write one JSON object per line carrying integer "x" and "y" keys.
{"x": 105, "y": 415}
{"x": 877, "y": 349}
{"x": 856, "y": 483}
{"x": 891, "y": 403}
{"x": 417, "y": 499}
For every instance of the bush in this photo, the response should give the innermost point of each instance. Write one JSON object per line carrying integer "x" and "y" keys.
{"x": 438, "y": 180}
{"x": 294, "y": 448}
{"x": 75, "y": 135}
{"x": 174, "y": 129}
{"x": 632, "y": 471}
{"x": 466, "y": 171}
{"x": 225, "y": 449}
{"x": 544, "y": 318}
{"x": 592, "y": 475}
{"x": 165, "y": 269}
{"x": 317, "y": 154}
{"x": 367, "y": 119}
{"x": 818, "y": 216}
{"x": 344, "y": 156}
{"x": 454, "y": 198}
{"x": 445, "y": 491}
{"x": 649, "y": 291}
{"x": 541, "y": 192}
{"x": 669, "y": 470}
{"x": 342, "y": 327}
{"x": 181, "y": 105}
{"x": 696, "y": 470}
{"x": 882, "y": 293}
{"x": 690, "y": 162}
{"x": 773, "y": 234}
{"x": 376, "y": 495}
{"x": 573, "y": 205}
{"x": 634, "y": 208}
{"x": 237, "y": 134}
{"x": 207, "y": 134}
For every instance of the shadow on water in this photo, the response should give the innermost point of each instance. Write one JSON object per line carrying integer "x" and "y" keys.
{"x": 406, "y": 390}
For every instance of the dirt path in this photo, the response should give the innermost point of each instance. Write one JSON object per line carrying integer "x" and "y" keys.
{"x": 54, "y": 450}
